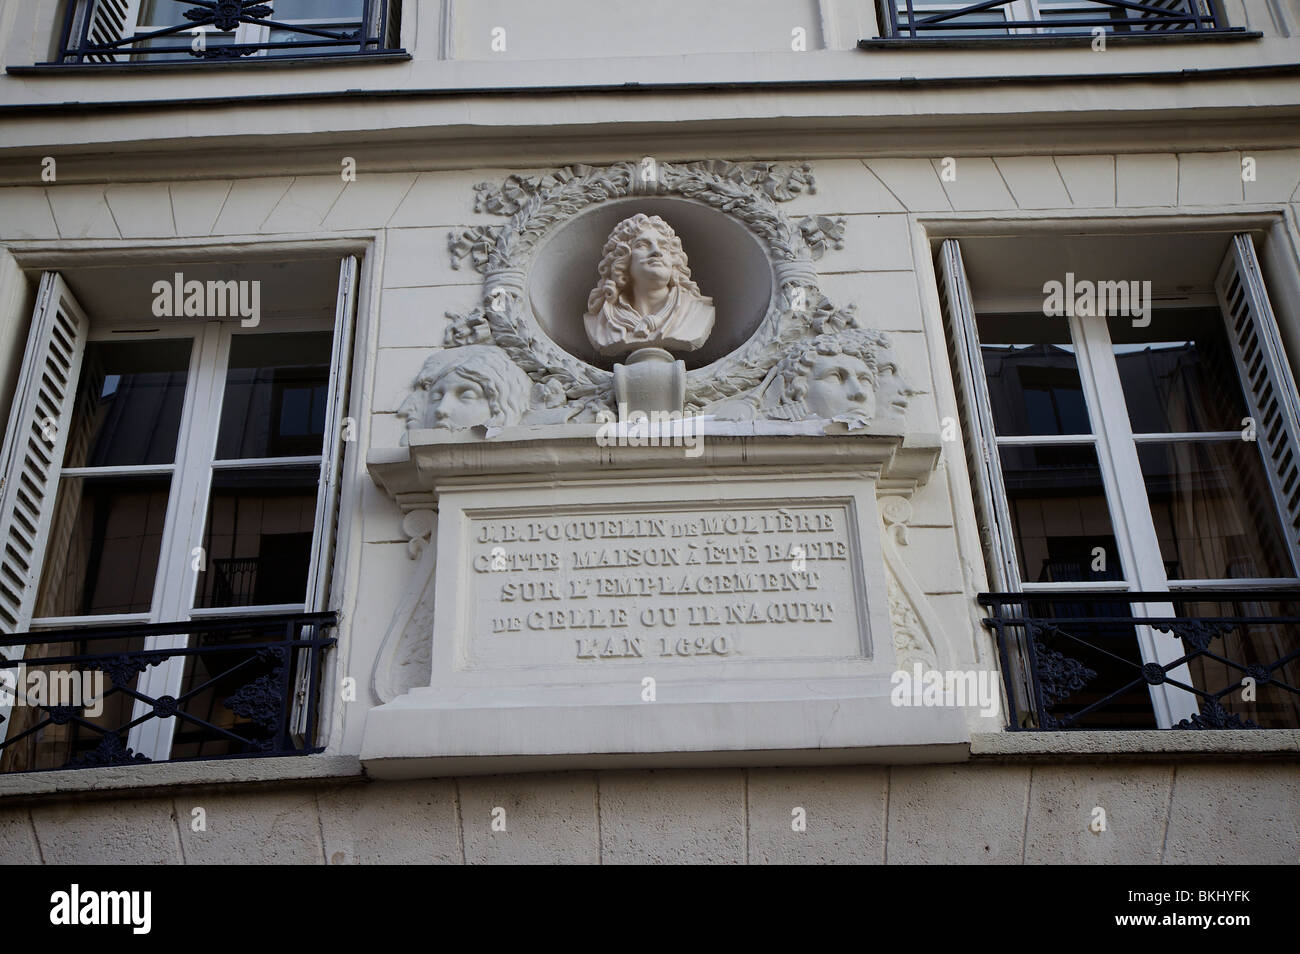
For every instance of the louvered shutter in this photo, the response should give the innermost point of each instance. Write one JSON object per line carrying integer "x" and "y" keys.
{"x": 392, "y": 33}
{"x": 982, "y": 458}
{"x": 39, "y": 422}
{"x": 32, "y": 454}
{"x": 384, "y": 25}
{"x": 112, "y": 20}
{"x": 338, "y": 433}
{"x": 1265, "y": 377}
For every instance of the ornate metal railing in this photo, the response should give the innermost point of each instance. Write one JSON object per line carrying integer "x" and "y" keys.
{"x": 248, "y": 686}
{"x": 207, "y": 30}
{"x": 919, "y": 18}
{"x": 1071, "y": 660}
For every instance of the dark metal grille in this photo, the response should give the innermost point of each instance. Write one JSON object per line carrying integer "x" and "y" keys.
{"x": 1070, "y": 660}
{"x": 916, "y": 18}
{"x": 92, "y": 35}
{"x": 242, "y": 678}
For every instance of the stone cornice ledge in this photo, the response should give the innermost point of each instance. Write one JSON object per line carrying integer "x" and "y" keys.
{"x": 170, "y": 775}
{"x": 1152, "y": 744}
{"x": 438, "y": 456}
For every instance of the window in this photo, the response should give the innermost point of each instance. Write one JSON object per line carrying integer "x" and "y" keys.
{"x": 186, "y": 472}
{"x": 953, "y": 19}
{"x": 1151, "y": 455}
{"x": 153, "y": 31}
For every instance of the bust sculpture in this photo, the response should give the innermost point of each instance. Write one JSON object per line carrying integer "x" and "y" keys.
{"x": 467, "y": 387}
{"x": 645, "y": 297}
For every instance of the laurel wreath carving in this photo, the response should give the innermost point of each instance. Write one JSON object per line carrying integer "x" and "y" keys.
{"x": 750, "y": 193}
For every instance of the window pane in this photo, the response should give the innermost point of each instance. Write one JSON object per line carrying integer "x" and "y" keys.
{"x": 171, "y": 11}
{"x": 54, "y": 746}
{"x": 258, "y": 539}
{"x": 1104, "y": 659}
{"x": 293, "y": 36}
{"x": 1095, "y": 12}
{"x": 223, "y": 677}
{"x": 1213, "y": 510}
{"x": 129, "y": 402}
{"x": 163, "y": 11}
{"x": 1260, "y": 644}
{"x": 978, "y": 23}
{"x": 1033, "y": 376}
{"x": 179, "y": 43}
{"x": 316, "y": 9}
{"x": 105, "y": 539}
{"x": 277, "y": 387}
{"x": 1178, "y": 374}
{"x": 1059, "y": 514}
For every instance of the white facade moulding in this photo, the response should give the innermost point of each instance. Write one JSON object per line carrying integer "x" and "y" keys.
{"x": 726, "y": 591}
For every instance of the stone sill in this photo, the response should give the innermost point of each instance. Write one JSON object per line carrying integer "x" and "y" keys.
{"x": 338, "y": 59}
{"x": 984, "y": 746}
{"x": 1148, "y": 744}
{"x": 1038, "y": 41}
{"x": 170, "y": 775}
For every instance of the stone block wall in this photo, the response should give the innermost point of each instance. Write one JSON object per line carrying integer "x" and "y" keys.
{"x": 1192, "y": 812}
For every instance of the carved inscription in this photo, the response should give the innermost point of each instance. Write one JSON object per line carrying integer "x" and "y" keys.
{"x": 769, "y": 582}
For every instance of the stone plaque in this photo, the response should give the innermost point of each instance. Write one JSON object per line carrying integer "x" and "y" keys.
{"x": 638, "y": 618}
{"x": 672, "y": 584}
{"x": 589, "y": 583}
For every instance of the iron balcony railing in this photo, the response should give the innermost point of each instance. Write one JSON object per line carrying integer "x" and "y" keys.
{"x": 1071, "y": 659}
{"x": 249, "y": 687}
{"x": 98, "y": 32}
{"x": 936, "y": 19}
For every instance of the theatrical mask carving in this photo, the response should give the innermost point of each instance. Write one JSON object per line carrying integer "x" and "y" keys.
{"x": 850, "y": 376}
{"x": 467, "y": 387}
{"x": 892, "y": 392}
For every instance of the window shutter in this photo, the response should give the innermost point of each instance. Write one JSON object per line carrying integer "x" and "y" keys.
{"x": 33, "y": 452}
{"x": 1266, "y": 378}
{"x": 34, "y": 444}
{"x": 338, "y": 433}
{"x": 982, "y": 459}
{"x": 336, "y": 436}
{"x": 393, "y": 28}
{"x": 110, "y": 21}
{"x": 384, "y": 25}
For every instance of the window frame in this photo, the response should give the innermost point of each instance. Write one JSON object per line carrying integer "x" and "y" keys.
{"x": 193, "y": 468}
{"x": 378, "y": 28}
{"x": 1116, "y": 445}
{"x": 1028, "y": 15}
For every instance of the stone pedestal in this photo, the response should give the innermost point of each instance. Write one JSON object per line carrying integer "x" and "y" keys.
{"x": 643, "y": 608}
{"x": 651, "y": 382}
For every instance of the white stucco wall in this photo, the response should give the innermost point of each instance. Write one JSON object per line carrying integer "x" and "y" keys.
{"x": 1134, "y": 155}
{"x": 892, "y": 205}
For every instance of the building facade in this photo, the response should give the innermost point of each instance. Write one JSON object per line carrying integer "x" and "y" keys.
{"x": 966, "y": 526}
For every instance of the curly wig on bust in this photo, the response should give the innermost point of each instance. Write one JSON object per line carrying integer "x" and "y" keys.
{"x": 618, "y": 250}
